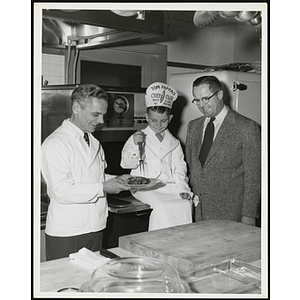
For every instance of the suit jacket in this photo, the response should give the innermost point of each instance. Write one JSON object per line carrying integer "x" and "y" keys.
{"x": 229, "y": 183}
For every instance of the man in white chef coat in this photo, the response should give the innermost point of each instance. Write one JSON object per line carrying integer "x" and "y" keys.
{"x": 73, "y": 165}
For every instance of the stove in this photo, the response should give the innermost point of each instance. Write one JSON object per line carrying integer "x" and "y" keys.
{"x": 127, "y": 215}
{"x": 125, "y": 203}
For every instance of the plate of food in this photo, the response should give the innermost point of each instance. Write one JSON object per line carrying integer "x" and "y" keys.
{"x": 143, "y": 183}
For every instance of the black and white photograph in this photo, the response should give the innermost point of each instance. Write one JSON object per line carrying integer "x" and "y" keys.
{"x": 150, "y": 150}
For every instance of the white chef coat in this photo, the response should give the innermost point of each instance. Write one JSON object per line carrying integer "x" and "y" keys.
{"x": 164, "y": 161}
{"x": 74, "y": 173}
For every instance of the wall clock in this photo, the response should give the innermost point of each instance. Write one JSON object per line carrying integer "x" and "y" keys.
{"x": 120, "y": 105}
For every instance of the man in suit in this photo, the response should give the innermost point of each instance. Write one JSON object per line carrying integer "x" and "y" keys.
{"x": 224, "y": 162}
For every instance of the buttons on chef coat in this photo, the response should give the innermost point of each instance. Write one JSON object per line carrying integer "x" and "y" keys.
{"x": 203, "y": 175}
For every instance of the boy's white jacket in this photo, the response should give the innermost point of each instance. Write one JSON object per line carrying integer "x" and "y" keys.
{"x": 164, "y": 160}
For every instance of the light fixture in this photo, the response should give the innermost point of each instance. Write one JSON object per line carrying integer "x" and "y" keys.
{"x": 205, "y": 18}
{"x": 129, "y": 13}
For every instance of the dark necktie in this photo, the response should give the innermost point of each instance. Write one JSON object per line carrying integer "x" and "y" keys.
{"x": 207, "y": 141}
{"x": 159, "y": 136}
{"x": 86, "y": 138}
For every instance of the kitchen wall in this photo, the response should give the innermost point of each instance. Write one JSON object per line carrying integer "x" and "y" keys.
{"x": 152, "y": 58}
{"x": 53, "y": 68}
{"x": 213, "y": 46}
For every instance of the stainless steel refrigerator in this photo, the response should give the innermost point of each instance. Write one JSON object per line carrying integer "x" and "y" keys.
{"x": 242, "y": 93}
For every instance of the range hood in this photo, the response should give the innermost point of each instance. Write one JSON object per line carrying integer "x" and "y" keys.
{"x": 86, "y": 29}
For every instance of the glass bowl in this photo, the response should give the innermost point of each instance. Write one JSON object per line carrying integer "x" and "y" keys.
{"x": 135, "y": 275}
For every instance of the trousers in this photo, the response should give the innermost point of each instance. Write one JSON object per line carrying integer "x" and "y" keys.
{"x": 60, "y": 246}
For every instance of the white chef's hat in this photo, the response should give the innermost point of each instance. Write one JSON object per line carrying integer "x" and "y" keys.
{"x": 160, "y": 94}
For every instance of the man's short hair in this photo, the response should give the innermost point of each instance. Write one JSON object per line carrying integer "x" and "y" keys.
{"x": 212, "y": 81}
{"x": 85, "y": 92}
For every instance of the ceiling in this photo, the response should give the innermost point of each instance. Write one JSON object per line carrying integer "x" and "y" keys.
{"x": 92, "y": 28}
{"x": 185, "y": 18}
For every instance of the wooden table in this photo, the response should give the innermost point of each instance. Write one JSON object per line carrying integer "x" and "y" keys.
{"x": 197, "y": 245}
{"x": 61, "y": 273}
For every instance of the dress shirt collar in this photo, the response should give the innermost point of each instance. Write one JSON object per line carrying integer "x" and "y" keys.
{"x": 150, "y": 130}
{"x": 217, "y": 122}
{"x": 221, "y": 116}
{"x": 75, "y": 129}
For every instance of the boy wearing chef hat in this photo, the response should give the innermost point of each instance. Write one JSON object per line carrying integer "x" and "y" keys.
{"x": 163, "y": 160}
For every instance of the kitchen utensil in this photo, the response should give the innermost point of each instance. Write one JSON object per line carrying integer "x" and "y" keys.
{"x": 109, "y": 254}
{"x": 141, "y": 161}
{"x": 135, "y": 275}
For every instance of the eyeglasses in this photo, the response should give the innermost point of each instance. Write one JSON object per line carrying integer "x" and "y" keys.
{"x": 204, "y": 100}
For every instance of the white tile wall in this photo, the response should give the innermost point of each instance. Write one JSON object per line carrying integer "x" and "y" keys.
{"x": 53, "y": 68}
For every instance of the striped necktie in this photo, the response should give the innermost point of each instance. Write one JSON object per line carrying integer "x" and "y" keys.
{"x": 86, "y": 138}
{"x": 207, "y": 141}
{"x": 159, "y": 136}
